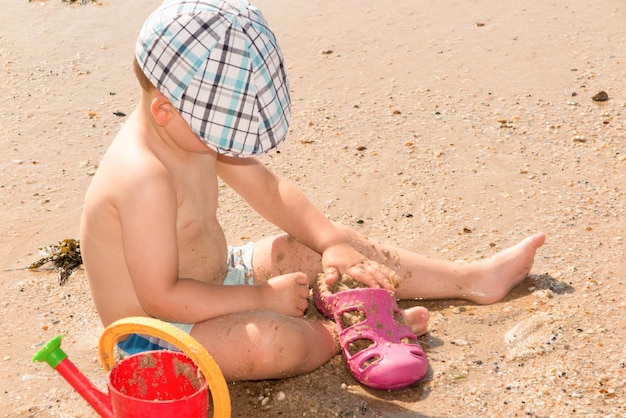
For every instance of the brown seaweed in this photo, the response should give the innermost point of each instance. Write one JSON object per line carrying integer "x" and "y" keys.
{"x": 64, "y": 256}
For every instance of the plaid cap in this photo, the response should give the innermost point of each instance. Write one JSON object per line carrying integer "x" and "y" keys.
{"x": 221, "y": 67}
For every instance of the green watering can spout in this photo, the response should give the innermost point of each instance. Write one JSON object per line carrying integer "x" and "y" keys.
{"x": 53, "y": 354}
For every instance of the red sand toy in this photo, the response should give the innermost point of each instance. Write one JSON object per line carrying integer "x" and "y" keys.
{"x": 151, "y": 384}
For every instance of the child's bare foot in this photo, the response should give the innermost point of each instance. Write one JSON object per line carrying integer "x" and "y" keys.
{"x": 505, "y": 270}
{"x": 417, "y": 319}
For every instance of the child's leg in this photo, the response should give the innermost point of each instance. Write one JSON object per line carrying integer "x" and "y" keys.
{"x": 485, "y": 281}
{"x": 267, "y": 345}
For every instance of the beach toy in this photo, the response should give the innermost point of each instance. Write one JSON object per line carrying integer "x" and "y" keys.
{"x": 150, "y": 384}
{"x": 380, "y": 352}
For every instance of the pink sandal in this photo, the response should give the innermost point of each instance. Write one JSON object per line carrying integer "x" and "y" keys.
{"x": 380, "y": 352}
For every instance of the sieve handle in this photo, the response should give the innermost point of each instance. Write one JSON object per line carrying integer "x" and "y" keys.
{"x": 185, "y": 342}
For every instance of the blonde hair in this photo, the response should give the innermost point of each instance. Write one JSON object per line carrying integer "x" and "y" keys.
{"x": 141, "y": 77}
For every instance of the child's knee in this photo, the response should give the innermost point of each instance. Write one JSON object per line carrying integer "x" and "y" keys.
{"x": 285, "y": 349}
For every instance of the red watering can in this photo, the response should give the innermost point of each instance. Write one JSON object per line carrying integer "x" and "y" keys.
{"x": 151, "y": 384}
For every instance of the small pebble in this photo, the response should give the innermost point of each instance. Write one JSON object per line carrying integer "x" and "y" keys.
{"x": 601, "y": 96}
{"x": 545, "y": 293}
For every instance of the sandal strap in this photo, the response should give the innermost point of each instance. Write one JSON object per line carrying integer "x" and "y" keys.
{"x": 369, "y": 331}
{"x": 379, "y": 307}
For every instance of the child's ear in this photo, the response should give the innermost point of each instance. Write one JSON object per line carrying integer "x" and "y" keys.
{"x": 162, "y": 110}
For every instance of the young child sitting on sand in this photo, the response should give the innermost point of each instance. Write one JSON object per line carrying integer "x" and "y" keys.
{"x": 214, "y": 94}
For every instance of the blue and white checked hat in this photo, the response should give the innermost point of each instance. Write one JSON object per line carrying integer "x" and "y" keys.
{"x": 221, "y": 67}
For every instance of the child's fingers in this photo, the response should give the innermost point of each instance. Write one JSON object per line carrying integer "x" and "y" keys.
{"x": 331, "y": 275}
{"x": 303, "y": 280}
{"x": 372, "y": 274}
{"x": 301, "y": 295}
{"x": 361, "y": 273}
{"x": 382, "y": 276}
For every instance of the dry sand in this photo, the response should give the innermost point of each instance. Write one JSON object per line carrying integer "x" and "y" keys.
{"x": 453, "y": 128}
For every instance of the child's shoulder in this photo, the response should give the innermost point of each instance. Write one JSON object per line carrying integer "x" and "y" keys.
{"x": 131, "y": 147}
{"x": 129, "y": 160}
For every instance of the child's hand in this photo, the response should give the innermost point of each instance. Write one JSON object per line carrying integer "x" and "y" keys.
{"x": 287, "y": 294}
{"x": 341, "y": 259}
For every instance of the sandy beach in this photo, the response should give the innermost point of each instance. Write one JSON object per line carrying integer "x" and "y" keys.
{"x": 450, "y": 128}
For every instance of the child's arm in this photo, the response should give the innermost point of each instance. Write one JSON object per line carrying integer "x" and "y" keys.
{"x": 148, "y": 215}
{"x": 283, "y": 204}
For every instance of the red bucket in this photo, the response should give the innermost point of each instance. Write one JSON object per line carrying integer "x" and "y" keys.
{"x": 158, "y": 384}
